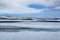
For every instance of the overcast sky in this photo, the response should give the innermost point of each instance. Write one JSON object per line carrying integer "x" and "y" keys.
{"x": 39, "y": 8}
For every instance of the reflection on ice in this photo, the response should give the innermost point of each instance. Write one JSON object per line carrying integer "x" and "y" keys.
{"x": 29, "y": 29}
{"x": 30, "y": 26}
{"x": 34, "y": 24}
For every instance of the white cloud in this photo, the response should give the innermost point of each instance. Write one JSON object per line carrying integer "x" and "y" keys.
{"x": 49, "y": 2}
{"x": 57, "y": 7}
{"x": 17, "y": 6}
{"x": 20, "y": 6}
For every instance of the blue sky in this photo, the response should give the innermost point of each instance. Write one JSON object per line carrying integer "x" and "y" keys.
{"x": 33, "y": 8}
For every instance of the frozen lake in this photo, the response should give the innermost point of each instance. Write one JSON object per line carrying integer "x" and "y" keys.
{"x": 34, "y": 24}
{"x": 47, "y": 31}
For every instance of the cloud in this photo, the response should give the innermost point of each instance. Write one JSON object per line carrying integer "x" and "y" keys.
{"x": 20, "y": 6}
{"x": 57, "y": 7}
{"x": 47, "y": 3}
{"x": 16, "y": 6}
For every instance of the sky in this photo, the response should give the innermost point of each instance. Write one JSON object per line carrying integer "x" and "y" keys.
{"x": 33, "y": 8}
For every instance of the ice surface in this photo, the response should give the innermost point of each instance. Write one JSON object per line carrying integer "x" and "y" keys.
{"x": 32, "y": 34}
